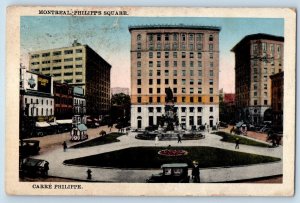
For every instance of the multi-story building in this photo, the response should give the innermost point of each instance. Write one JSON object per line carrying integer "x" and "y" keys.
{"x": 277, "y": 100}
{"x": 78, "y": 65}
{"x": 63, "y": 99}
{"x": 118, "y": 90}
{"x": 182, "y": 57}
{"x": 257, "y": 57}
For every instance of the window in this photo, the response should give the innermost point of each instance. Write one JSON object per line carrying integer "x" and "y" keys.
{"x": 199, "y": 100}
{"x": 255, "y": 94}
{"x": 264, "y": 47}
{"x": 138, "y": 55}
{"x": 211, "y": 73}
{"x": 150, "y": 73}
{"x": 265, "y": 102}
{"x": 150, "y": 81}
{"x": 158, "y": 73}
{"x": 45, "y": 54}
{"x": 78, "y": 80}
{"x": 211, "y": 99}
{"x": 139, "y": 90}
{"x": 183, "y": 90}
{"x": 78, "y": 50}
{"x": 175, "y": 90}
{"x": 138, "y": 37}
{"x": 57, "y": 61}
{"x": 211, "y": 55}
{"x": 138, "y": 64}
{"x": 191, "y": 46}
{"x": 139, "y": 109}
{"x": 68, "y": 59}
{"x": 211, "y": 64}
{"x": 191, "y": 73}
{"x": 158, "y": 81}
{"x": 68, "y": 51}
{"x": 199, "y": 37}
{"x": 139, "y": 73}
{"x": 174, "y": 72}
{"x": 211, "y": 81}
{"x": 78, "y": 73}
{"x": 175, "y": 46}
{"x": 191, "y": 63}
{"x": 167, "y": 63}
{"x": 68, "y": 73}
{"x": 211, "y": 47}
{"x": 158, "y": 90}
{"x": 199, "y": 55}
{"x": 35, "y": 63}
{"x": 199, "y": 90}
{"x": 255, "y": 86}
{"x": 57, "y": 74}
{"x": 265, "y": 78}
{"x": 175, "y": 37}
{"x": 139, "y": 81}
{"x": 199, "y": 64}
{"x": 183, "y": 64}
{"x": 151, "y": 37}
{"x": 255, "y": 102}
{"x": 191, "y": 37}
{"x": 211, "y": 109}
{"x": 199, "y": 72}
{"x": 46, "y": 69}
{"x": 191, "y": 99}
{"x": 191, "y": 81}
{"x": 166, "y": 37}
{"x": 191, "y": 90}
{"x": 175, "y": 63}
{"x": 158, "y": 37}
{"x": 166, "y": 55}
{"x": 35, "y": 56}
{"x": 211, "y": 90}
{"x": 183, "y": 72}
{"x": 265, "y": 94}
{"x": 139, "y": 46}
{"x": 211, "y": 38}
{"x": 68, "y": 67}
{"x": 139, "y": 99}
{"x": 150, "y": 64}
{"x": 199, "y": 81}
{"x": 150, "y": 99}
{"x": 175, "y": 81}
{"x": 166, "y": 81}
{"x": 265, "y": 86}
{"x": 78, "y": 58}
{"x": 183, "y": 109}
{"x": 183, "y": 37}
{"x": 158, "y": 108}
{"x": 183, "y": 55}
{"x": 150, "y": 54}
{"x": 183, "y": 81}
{"x": 191, "y": 55}
{"x": 158, "y": 64}
{"x": 166, "y": 72}
{"x": 199, "y": 47}
{"x": 183, "y": 100}
{"x": 174, "y": 54}
{"x": 158, "y": 54}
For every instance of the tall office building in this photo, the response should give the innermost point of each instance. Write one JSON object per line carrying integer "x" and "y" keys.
{"x": 257, "y": 57}
{"x": 182, "y": 57}
{"x": 77, "y": 65}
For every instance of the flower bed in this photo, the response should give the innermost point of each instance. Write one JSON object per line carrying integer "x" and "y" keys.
{"x": 172, "y": 152}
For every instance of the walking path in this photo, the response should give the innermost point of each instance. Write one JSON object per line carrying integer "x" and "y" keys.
{"x": 58, "y": 169}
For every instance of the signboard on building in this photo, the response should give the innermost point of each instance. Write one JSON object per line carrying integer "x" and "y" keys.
{"x": 37, "y": 82}
{"x": 78, "y": 91}
{"x": 30, "y": 81}
{"x": 44, "y": 84}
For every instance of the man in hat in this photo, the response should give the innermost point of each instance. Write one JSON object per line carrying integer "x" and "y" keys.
{"x": 196, "y": 172}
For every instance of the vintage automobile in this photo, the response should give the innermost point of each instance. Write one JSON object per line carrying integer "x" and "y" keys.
{"x": 34, "y": 167}
{"x": 29, "y": 147}
{"x": 172, "y": 173}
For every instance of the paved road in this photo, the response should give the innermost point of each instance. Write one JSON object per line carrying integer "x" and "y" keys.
{"x": 57, "y": 156}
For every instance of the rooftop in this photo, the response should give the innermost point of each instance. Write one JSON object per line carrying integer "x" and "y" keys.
{"x": 169, "y": 26}
{"x": 258, "y": 36}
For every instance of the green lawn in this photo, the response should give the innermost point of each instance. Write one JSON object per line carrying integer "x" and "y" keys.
{"x": 106, "y": 139}
{"x": 227, "y": 137}
{"x": 148, "y": 158}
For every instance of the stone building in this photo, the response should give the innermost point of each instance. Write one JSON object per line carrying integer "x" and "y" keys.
{"x": 77, "y": 65}
{"x": 257, "y": 57}
{"x": 182, "y": 57}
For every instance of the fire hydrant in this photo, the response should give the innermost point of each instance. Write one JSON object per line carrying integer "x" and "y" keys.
{"x": 89, "y": 174}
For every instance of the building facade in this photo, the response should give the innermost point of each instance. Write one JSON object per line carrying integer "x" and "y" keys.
{"x": 184, "y": 58}
{"x": 77, "y": 65}
{"x": 63, "y": 99}
{"x": 118, "y": 90}
{"x": 257, "y": 57}
{"x": 277, "y": 101}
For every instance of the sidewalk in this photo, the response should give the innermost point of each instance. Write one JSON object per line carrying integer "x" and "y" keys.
{"x": 58, "y": 169}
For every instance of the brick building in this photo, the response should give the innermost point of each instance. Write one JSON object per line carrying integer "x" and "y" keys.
{"x": 63, "y": 101}
{"x": 182, "y": 57}
{"x": 257, "y": 57}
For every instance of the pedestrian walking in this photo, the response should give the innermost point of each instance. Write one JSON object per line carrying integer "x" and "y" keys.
{"x": 237, "y": 143}
{"x": 156, "y": 140}
{"x": 196, "y": 172}
{"x": 89, "y": 174}
{"x": 65, "y": 146}
{"x": 178, "y": 138}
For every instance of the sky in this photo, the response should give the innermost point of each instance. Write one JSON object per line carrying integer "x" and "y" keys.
{"x": 110, "y": 38}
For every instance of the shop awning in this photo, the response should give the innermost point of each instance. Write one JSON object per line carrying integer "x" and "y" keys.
{"x": 41, "y": 124}
{"x": 82, "y": 127}
{"x": 67, "y": 121}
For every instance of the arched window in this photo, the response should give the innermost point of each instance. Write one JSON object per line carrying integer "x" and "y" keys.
{"x": 139, "y": 37}
{"x": 211, "y": 38}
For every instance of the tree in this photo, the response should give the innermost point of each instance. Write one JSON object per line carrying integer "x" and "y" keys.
{"x": 120, "y": 107}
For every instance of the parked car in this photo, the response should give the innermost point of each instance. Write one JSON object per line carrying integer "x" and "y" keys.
{"x": 29, "y": 147}
{"x": 34, "y": 167}
{"x": 171, "y": 173}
